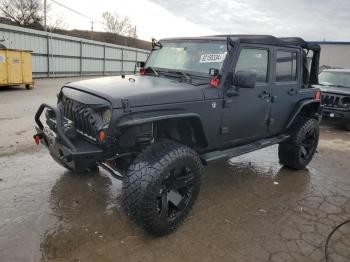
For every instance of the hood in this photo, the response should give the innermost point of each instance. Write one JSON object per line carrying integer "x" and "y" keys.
{"x": 139, "y": 90}
{"x": 334, "y": 89}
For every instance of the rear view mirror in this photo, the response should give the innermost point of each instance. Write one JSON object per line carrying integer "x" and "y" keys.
{"x": 244, "y": 79}
{"x": 140, "y": 64}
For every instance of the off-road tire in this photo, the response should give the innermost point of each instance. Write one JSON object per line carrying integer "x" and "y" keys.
{"x": 149, "y": 171}
{"x": 297, "y": 151}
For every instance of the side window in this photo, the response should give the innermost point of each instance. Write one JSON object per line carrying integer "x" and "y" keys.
{"x": 256, "y": 60}
{"x": 286, "y": 66}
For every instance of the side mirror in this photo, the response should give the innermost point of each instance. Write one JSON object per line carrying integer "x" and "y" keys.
{"x": 213, "y": 72}
{"x": 140, "y": 64}
{"x": 244, "y": 79}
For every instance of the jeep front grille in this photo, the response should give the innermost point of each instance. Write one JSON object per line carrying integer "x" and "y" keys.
{"x": 332, "y": 100}
{"x": 82, "y": 116}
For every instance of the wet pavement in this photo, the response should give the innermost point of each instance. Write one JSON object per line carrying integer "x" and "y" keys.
{"x": 249, "y": 209}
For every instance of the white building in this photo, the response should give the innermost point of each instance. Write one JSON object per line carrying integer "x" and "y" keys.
{"x": 335, "y": 54}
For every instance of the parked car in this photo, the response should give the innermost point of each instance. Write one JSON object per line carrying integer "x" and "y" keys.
{"x": 335, "y": 87}
{"x": 195, "y": 100}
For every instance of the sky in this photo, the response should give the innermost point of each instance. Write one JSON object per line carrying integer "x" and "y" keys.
{"x": 311, "y": 19}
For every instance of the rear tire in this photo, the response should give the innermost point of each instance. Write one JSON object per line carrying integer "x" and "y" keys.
{"x": 297, "y": 151}
{"x": 161, "y": 185}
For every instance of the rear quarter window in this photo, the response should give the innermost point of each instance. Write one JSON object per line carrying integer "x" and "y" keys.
{"x": 286, "y": 66}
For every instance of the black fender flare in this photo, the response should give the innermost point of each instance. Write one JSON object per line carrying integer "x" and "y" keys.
{"x": 302, "y": 105}
{"x": 138, "y": 118}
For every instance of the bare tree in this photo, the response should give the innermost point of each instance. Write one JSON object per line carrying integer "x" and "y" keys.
{"x": 117, "y": 25}
{"x": 56, "y": 23}
{"x": 22, "y": 12}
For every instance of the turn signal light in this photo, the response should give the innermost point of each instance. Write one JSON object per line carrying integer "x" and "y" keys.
{"x": 215, "y": 81}
{"x": 101, "y": 135}
{"x": 142, "y": 71}
{"x": 318, "y": 95}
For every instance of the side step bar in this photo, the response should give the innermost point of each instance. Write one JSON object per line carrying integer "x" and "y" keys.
{"x": 240, "y": 150}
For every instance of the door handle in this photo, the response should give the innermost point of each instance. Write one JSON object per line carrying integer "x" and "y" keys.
{"x": 292, "y": 91}
{"x": 264, "y": 95}
{"x": 273, "y": 99}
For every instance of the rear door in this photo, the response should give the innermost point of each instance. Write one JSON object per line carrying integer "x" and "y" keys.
{"x": 285, "y": 86}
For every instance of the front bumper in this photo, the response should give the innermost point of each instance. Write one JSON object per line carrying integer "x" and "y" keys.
{"x": 77, "y": 154}
{"x": 336, "y": 115}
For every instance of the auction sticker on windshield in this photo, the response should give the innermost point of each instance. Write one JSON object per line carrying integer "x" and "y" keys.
{"x": 212, "y": 58}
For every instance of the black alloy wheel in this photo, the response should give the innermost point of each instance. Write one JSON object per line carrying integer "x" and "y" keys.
{"x": 175, "y": 193}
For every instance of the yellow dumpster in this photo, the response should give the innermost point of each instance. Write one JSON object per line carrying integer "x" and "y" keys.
{"x": 16, "y": 68}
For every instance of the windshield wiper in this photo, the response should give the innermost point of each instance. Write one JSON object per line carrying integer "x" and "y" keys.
{"x": 187, "y": 76}
{"x": 337, "y": 85}
{"x": 153, "y": 70}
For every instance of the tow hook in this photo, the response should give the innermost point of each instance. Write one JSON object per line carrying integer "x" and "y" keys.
{"x": 37, "y": 138}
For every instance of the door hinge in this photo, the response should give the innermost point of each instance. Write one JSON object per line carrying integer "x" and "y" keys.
{"x": 224, "y": 130}
{"x": 126, "y": 105}
{"x": 270, "y": 121}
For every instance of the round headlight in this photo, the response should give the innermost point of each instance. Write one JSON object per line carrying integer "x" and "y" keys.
{"x": 346, "y": 101}
{"x": 106, "y": 116}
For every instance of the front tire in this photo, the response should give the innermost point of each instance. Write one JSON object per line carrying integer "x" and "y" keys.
{"x": 298, "y": 150}
{"x": 161, "y": 185}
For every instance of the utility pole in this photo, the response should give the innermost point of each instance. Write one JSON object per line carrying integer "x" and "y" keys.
{"x": 92, "y": 30}
{"x": 45, "y": 10}
{"x": 92, "y": 25}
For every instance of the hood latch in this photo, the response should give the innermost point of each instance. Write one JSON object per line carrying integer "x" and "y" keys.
{"x": 126, "y": 105}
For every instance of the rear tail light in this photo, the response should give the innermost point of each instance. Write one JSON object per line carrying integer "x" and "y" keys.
{"x": 142, "y": 71}
{"x": 318, "y": 95}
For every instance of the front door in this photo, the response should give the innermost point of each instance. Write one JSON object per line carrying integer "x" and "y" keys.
{"x": 245, "y": 115}
{"x": 285, "y": 86}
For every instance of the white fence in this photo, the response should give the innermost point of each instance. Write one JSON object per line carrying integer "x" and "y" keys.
{"x": 57, "y": 55}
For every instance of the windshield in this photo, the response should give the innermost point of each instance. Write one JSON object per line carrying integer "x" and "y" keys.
{"x": 341, "y": 79}
{"x": 192, "y": 56}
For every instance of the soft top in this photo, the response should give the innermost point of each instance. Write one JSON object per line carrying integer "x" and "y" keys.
{"x": 260, "y": 39}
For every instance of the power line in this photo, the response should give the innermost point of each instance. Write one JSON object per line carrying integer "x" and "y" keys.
{"x": 74, "y": 11}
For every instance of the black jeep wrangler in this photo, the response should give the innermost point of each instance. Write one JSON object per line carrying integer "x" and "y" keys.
{"x": 335, "y": 87}
{"x": 195, "y": 100}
